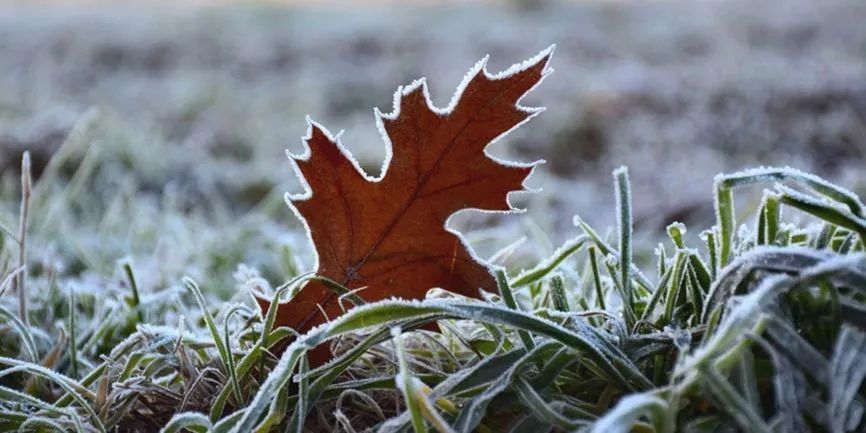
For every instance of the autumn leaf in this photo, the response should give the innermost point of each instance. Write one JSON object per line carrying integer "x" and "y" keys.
{"x": 387, "y": 236}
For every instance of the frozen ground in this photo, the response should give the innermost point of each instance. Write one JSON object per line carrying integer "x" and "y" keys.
{"x": 185, "y": 114}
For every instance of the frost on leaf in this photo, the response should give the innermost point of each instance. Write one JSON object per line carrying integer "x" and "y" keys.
{"x": 387, "y": 235}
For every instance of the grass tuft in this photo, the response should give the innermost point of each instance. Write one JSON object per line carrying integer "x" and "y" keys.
{"x": 759, "y": 328}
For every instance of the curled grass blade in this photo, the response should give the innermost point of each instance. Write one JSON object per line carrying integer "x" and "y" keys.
{"x": 73, "y": 388}
{"x": 192, "y": 421}
{"x": 27, "y": 341}
{"x": 632, "y": 409}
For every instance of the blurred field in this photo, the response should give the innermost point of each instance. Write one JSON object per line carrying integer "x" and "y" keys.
{"x": 186, "y": 112}
{"x": 158, "y": 136}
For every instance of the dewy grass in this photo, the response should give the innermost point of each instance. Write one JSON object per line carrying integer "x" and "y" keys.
{"x": 759, "y": 328}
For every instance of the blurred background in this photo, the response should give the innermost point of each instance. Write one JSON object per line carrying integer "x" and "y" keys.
{"x": 158, "y": 130}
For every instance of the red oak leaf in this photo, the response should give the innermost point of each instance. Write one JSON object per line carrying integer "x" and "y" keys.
{"x": 388, "y": 235}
